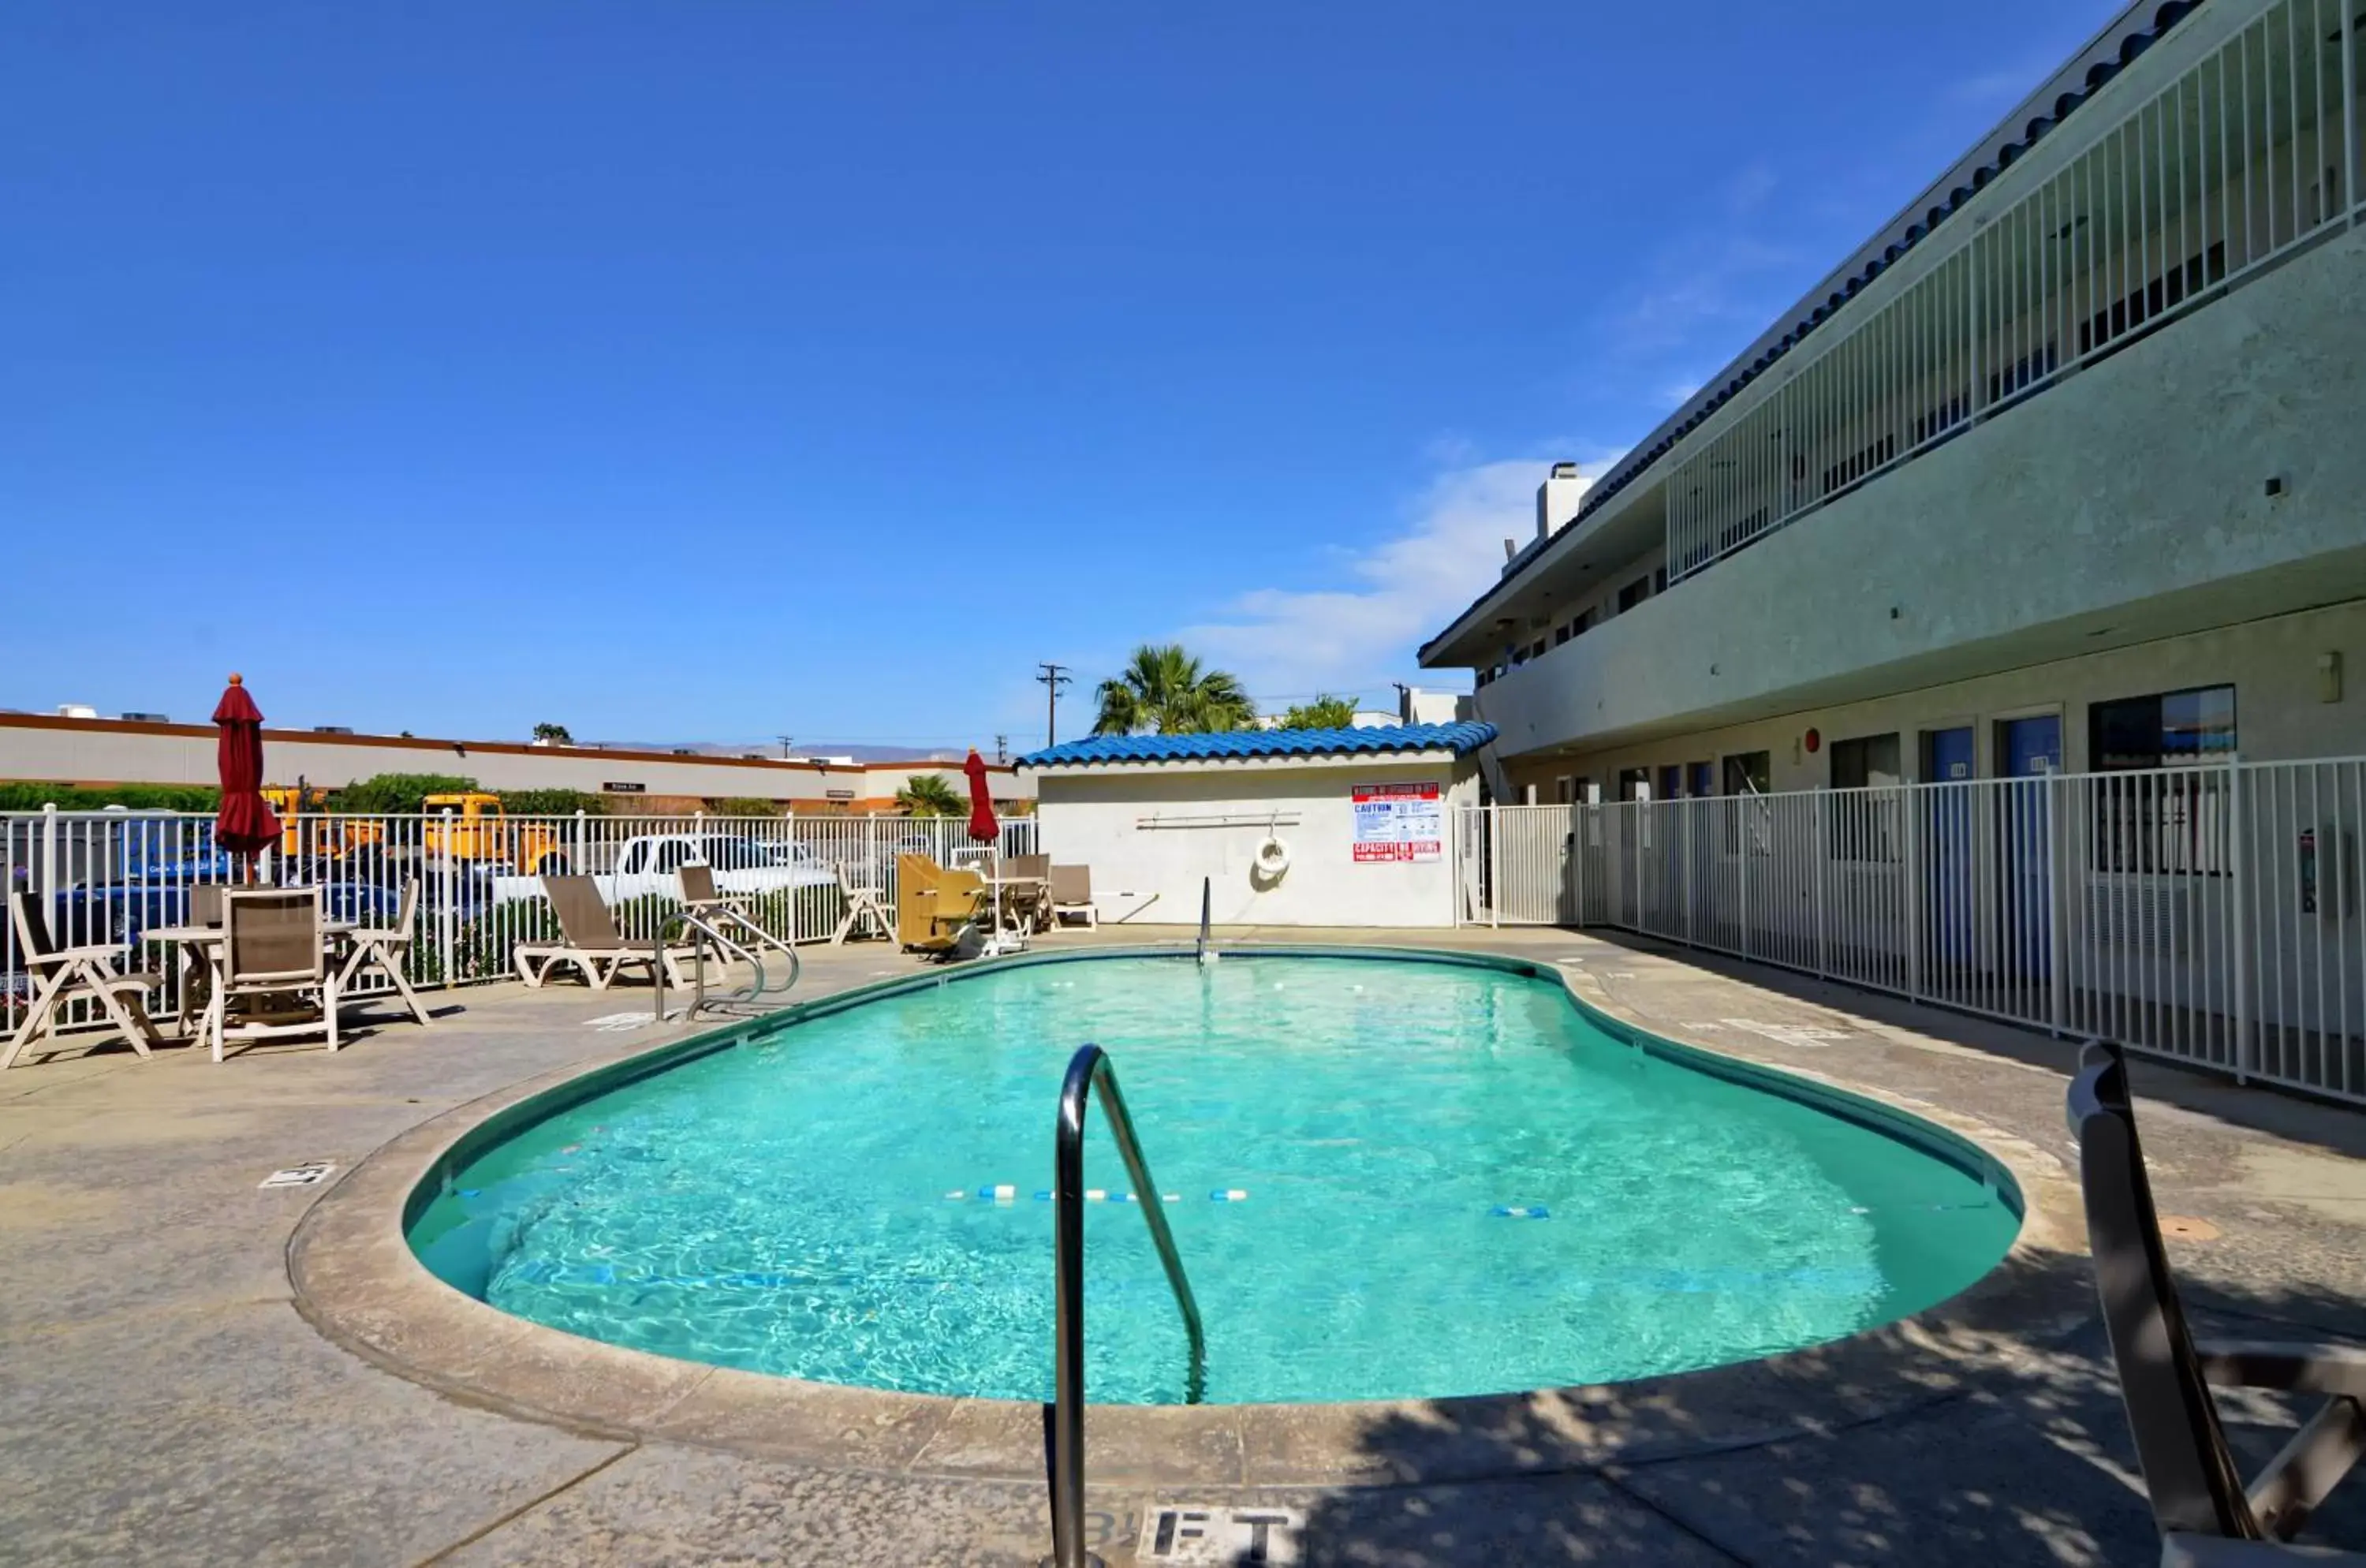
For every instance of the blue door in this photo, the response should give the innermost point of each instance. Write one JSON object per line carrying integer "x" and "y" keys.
{"x": 2032, "y": 749}
{"x": 1948, "y": 830}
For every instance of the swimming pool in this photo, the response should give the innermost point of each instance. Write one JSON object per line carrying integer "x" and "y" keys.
{"x": 1388, "y": 1176}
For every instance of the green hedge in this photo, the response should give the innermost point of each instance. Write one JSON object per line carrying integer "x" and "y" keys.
{"x": 139, "y": 798}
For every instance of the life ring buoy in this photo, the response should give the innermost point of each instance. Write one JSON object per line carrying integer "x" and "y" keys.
{"x": 1272, "y": 857}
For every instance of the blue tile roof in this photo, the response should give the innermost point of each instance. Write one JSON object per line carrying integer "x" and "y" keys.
{"x": 1233, "y": 744}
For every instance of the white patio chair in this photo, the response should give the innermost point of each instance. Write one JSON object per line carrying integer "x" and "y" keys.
{"x": 59, "y": 976}
{"x": 272, "y": 956}
{"x": 385, "y": 949}
{"x": 867, "y": 913}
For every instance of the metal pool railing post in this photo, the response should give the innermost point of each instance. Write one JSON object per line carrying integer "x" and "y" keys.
{"x": 446, "y": 916}
{"x": 1090, "y": 1067}
{"x": 1206, "y": 900}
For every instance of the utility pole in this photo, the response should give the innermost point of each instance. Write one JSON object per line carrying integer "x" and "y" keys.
{"x": 1002, "y": 750}
{"x": 1054, "y": 677}
{"x": 784, "y": 745}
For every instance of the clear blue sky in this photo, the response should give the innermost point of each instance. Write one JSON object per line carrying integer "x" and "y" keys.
{"x": 705, "y": 371}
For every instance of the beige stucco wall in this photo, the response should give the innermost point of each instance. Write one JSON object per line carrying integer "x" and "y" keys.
{"x": 2126, "y": 505}
{"x": 2272, "y": 665}
{"x": 1152, "y": 875}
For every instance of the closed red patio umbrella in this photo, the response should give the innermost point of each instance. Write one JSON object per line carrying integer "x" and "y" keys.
{"x": 245, "y": 825}
{"x": 981, "y": 826}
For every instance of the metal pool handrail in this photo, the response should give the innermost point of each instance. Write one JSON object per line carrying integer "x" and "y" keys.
{"x": 701, "y": 933}
{"x": 1089, "y": 1068}
{"x": 1207, "y": 897}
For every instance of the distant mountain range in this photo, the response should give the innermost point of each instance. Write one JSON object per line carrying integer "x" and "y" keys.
{"x": 802, "y": 749}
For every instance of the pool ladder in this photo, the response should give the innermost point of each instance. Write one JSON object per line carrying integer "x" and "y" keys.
{"x": 1207, "y": 899}
{"x": 1087, "y": 1069}
{"x": 713, "y": 928}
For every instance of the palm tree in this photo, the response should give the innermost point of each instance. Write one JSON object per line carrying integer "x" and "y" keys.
{"x": 1164, "y": 690}
{"x": 927, "y": 795}
{"x": 1325, "y": 712}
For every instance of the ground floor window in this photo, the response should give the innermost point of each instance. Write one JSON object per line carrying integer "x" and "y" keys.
{"x": 1868, "y": 760}
{"x": 2162, "y": 730}
{"x": 1634, "y": 784}
{"x": 1748, "y": 772}
{"x": 2167, "y": 822}
{"x": 1864, "y": 827}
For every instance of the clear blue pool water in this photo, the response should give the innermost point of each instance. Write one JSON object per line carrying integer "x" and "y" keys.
{"x": 806, "y": 1203}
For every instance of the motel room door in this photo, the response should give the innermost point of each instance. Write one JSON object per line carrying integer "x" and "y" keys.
{"x": 2030, "y": 748}
{"x": 1947, "y": 761}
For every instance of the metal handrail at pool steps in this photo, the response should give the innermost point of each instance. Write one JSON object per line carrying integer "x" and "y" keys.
{"x": 1088, "y": 1070}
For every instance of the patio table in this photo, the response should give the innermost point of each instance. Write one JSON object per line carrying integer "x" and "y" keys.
{"x": 198, "y": 952}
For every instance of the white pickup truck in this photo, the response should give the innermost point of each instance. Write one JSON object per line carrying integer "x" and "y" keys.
{"x": 652, "y": 863}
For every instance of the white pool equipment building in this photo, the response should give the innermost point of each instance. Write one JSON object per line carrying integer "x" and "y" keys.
{"x": 1289, "y": 827}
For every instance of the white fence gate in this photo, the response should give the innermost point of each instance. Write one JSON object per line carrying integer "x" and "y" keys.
{"x": 2209, "y": 913}
{"x": 111, "y": 877}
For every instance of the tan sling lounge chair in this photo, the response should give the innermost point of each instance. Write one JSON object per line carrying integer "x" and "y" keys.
{"x": 1072, "y": 894}
{"x": 725, "y": 914}
{"x": 590, "y": 940}
{"x": 272, "y": 956}
{"x": 934, "y": 906}
{"x": 2208, "y": 1517}
{"x": 62, "y": 975}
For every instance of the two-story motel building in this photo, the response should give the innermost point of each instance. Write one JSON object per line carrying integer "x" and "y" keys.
{"x": 2064, "y": 469}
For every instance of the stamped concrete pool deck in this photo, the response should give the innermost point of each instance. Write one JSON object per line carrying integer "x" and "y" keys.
{"x": 162, "y": 1399}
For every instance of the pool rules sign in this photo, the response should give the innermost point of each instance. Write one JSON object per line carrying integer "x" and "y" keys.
{"x": 1399, "y": 822}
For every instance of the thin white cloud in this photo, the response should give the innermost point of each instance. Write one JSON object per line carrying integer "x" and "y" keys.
{"x": 1701, "y": 296}
{"x": 1353, "y": 636}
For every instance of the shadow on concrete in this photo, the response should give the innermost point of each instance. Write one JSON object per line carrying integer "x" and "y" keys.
{"x": 1985, "y": 1459}
{"x": 2289, "y": 1114}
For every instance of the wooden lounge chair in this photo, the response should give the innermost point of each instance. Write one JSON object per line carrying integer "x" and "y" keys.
{"x": 62, "y": 975}
{"x": 2208, "y": 1517}
{"x": 589, "y": 940}
{"x": 934, "y": 906}
{"x": 272, "y": 957}
{"x": 385, "y": 949}
{"x": 1072, "y": 894}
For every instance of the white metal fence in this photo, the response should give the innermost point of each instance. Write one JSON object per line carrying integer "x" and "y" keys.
{"x": 112, "y": 876}
{"x": 2209, "y": 913}
{"x": 2116, "y": 225}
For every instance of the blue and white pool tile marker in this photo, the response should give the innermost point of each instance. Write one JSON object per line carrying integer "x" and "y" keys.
{"x": 1521, "y": 1211}
{"x": 1229, "y": 1195}
{"x": 1006, "y": 1192}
